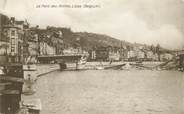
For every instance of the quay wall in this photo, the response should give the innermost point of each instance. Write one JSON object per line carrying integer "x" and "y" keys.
{"x": 43, "y": 69}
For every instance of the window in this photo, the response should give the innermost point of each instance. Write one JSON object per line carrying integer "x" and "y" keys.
{"x": 13, "y": 41}
{"x": 13, "y": 33}
{"x": 5, "y": 33}
{"x": 12, "y": 49}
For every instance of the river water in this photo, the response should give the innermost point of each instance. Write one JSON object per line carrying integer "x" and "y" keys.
{"x": 111, "y": 92}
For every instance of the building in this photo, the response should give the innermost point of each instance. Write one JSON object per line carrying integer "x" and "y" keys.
{"x": 4, "y": 44}
{"x": 98, "y": 54}
{"x": 124, "y": 54}
{"x": 132, "y": 55}
{"x": 155, "y": 57}
{"x": 33, "y": 48}
{"x": 4, "y": 48}
{"x": 114, "y": 56}
{"x": 22, "y": 24}
{"x": 4, "y": 20}
{"x": 15, "y": 38}
{"x": 92, "y": 55}
{"x": 140, "y": 55}
{"x": 102, "y": 54}
{"x": 45, "y": 49}
{"x": 181, "y": 61}
{"x": 149, "y": 55}
{"x": 11, "y": 39}
{"x": 70, "y": 51}
{"x": 50, "y": 38}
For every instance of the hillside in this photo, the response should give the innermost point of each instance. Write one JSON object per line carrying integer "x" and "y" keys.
{"x": 97, "y": 40}
{"x": 90, "y": 40}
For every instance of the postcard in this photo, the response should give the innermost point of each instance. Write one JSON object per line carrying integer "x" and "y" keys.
{"x": 91, "y": 56}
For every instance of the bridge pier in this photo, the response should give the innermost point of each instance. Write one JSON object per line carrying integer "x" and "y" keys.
{"x": 181, "y": 62}
{"x": 62, "y": 64}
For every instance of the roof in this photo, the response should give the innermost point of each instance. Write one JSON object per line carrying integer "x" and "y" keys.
{"x": 10, "y": 26}
{"x": 19, "y": 22}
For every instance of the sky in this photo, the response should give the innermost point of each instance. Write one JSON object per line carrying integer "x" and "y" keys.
{"x": 140, "y": 21}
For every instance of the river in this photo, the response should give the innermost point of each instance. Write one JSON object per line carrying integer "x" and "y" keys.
{"x": 111, "y": 92}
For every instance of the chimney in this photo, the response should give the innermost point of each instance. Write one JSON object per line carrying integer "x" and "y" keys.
{"x": 12, "y": 20}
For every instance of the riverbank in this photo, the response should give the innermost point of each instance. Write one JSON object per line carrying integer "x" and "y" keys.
{"x": 95, "y": 65}
{"x": 43, "y": 69}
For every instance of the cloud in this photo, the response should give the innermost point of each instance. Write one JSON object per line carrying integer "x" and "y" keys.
{"x": 141, "y": 21}
{"x": 127, "y": 26}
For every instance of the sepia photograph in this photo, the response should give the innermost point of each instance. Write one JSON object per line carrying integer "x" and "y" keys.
{"x": 91, "y": 56}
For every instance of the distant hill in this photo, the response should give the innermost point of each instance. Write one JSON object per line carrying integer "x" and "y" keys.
{"x": 89, "y": 40}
